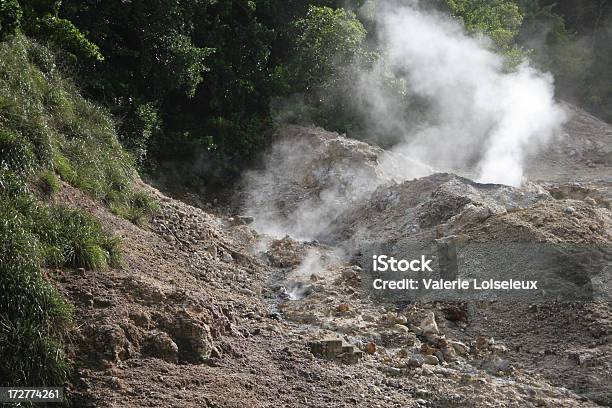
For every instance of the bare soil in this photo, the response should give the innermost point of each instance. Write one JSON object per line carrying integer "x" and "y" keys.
{"x": 199, "y": 316}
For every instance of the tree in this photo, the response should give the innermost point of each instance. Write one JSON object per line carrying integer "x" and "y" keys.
{"x": 40, "y": 20}
{"x": 327, "y": 41}
{"x": 10, "y": 18}
{"x": 498, "y": 19}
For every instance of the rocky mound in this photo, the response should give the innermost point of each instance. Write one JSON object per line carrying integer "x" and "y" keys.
{"x": 493, "y": 231}
{"x": 308, "y": 177}
{"x": 582, "y": 152}
{"x": 319, "y": 185}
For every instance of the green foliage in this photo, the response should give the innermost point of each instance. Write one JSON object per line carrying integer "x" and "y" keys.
{"x": 329, "y": 47}
{"x": 46, "y": 124}
{"x": 41, "y": 21}
{"x": 62, "y": 32}
{"x": 327, "y": 41}
{"x": 572, "y": 40}
{"x": 556, "y": 49}
{"x": 73, "y": 238}
{"x": 10, "y": 18}
{"x": 134, "y": 206}
{"x": 16, "y": 153}
{"x": 181, "y": 64}
{"x": 49, "y": 182}
{"x": 12, "y": 185}
{"x": 498, "y": 19}
{"x": 33, "y": 316}
{"x": 142, "y": 125}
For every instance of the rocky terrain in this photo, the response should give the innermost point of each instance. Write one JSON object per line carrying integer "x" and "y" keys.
{"x": 221, "y": 311}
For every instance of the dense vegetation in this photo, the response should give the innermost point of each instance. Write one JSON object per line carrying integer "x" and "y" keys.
{"x": 50, "y": 134}
{"x": 194, "y": 87}
{"x": 196, "y": 84}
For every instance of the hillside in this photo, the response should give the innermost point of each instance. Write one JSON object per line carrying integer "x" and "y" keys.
{"x": 197, "y": 316}
{"x": 200, "y": 202}
{"x": 192, "y": 313}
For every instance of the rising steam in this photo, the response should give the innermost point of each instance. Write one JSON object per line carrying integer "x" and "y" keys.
{"x": 483, "y": 119}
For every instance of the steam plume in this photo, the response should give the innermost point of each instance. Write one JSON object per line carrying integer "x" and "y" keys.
{"x": 482, "y": 118}
{"x": 479, "y": 119}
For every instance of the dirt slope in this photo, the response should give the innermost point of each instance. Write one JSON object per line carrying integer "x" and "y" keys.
{"x": 180, "y": 325}
{"x": 206, "y": 313}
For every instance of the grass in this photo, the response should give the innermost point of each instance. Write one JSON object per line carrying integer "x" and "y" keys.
{"x": 134, "y": 206}
{"x": 33, "y": 315}
{"x": 49, "y": 182}
{"x": 46, "y": 125}
{"x": 48, "y": 132}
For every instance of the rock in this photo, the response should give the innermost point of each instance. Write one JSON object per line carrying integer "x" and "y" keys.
{"x": 343, "y": 308}
{"x": 456, "y": 312}
{"x": 371, "y": 348}
{"x": 327, "y": 348}
{"x": 212, "y": 251}
{"x": 192, "y": 336}
{"x": 112, "y": 343}
{"x": 449, "y": 353}
{"x": 240, "y": 220}
{"x": 430, "y": 359}
{"x": 427, "y": 349}
{"x": 335, "y": 349}
{"x": 460, "y": 348}
{"x": 392, "y": 370}
{"x": 498, "y": 349}
{"x": 429, "y": 325}
{"x": 585, "y": 358}
{"x": 226, "y": 257}
{"x": 102, "y": 302}
{"x": 400, "y": 328}
{"x": 483, "y": 343}
{"x": 161, "y": 345}
{"x": 141, "y": 319}
{"x": 569, "y": 210}
{"x": 416, "y": 360}
{"x": 496, "y": 365}
{"x": 349, "y": 274}
{"x": 401, "y": 319}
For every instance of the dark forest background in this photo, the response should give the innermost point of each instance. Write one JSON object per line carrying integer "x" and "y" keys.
{"x": 196, "y": 85}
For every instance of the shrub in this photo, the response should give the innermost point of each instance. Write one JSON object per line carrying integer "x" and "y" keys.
{"x": 11, "y": 185}
{"x": 33, "y": 315}
{"x": 144, "y": 123}
{"x": 46, "y": 127}
{"x": 16, "y": 153}
{"x": 134, "y": 206}
{"x": 49, "y": 182}
{"x": 327, "y": 41}
{"x": 45, "y": 124}
{"x": 73, "y": 238}
{"x": 10, "y": 17}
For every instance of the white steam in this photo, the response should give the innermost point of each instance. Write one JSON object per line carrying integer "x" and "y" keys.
{"x": 449, "y": 100}
{"x": 482, "y": 119}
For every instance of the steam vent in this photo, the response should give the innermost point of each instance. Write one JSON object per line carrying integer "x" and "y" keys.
{"x": 306, "y": 204}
